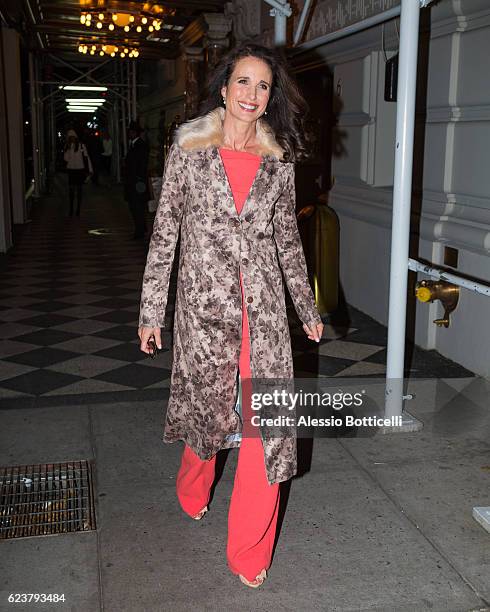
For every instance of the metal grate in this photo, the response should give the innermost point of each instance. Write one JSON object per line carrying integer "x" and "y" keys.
{"x": 44, "y": 499}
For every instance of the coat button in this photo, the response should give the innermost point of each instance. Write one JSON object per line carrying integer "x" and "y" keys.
{"x": 248, "y": 218}
{"x": 260, "y": 235}
{"x": 245, "y": 261}
{"x": 250, "y": 299}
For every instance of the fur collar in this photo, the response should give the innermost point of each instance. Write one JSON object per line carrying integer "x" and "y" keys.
{"x": 207, "y": 131}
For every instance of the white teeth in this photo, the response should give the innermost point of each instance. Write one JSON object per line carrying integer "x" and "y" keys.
{"x": 247, "y": 106}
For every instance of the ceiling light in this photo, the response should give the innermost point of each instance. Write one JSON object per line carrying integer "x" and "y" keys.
{"x": 81, "y": 107}
{"x": 85, "y": 104}
{"x": 84, "y": 100}
{"x": 76, "y": 105}
{"x": 83, "y": 88}
{"x": 79, "y": 110}
{"x": 122, "y": 19}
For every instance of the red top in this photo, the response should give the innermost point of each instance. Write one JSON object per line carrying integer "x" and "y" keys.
{"x": 241, "y": 168}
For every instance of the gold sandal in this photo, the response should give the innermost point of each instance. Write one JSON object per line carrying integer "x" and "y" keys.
{"x": 199, "y": 516}
{"x": 258, "y": 580}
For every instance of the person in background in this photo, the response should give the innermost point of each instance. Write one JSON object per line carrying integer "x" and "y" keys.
{"x": 78, "y": 166}
{"x": 136, "y": 179}
{"x": 106, "y": 152}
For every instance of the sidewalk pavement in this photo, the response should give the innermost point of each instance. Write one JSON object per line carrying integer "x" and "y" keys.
{"x": 380, "y": 523}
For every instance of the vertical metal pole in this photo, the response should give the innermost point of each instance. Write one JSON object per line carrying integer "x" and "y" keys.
{"x": 40, "y": 127}
{"x": 129, "y": 97}
{"x": 124, "y": 125}
{"x": 280, "y": 22}
{"x": 134, "y": 103}
{"x": 123, "y": 116}
{"x": 53, "y": 134}
{"x": 116, "y": 148}
{"x": 34, "y": 126}
{"x": 402, "y": 195}
{"x": 280, "y": 11}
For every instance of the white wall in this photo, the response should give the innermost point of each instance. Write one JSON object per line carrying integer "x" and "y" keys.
{"x": 453, "y": 205}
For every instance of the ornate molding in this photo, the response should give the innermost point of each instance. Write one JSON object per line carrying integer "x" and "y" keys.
{"x": 246, "y": 18}
{"x": 219, "y": 26}
{"x": 454, "y": 218}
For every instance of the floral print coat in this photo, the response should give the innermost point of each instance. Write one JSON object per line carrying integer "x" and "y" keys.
{"x": 215, "y": 245}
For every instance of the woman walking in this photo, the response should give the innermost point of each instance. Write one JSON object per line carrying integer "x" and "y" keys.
{"x": 78, "y": 167}
{"x": 229, "y": 186}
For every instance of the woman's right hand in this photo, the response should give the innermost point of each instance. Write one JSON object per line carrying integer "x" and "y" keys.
{"x": 145, "y": 333}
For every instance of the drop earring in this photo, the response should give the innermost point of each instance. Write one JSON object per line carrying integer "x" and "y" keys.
{"x": 224, "y": 101}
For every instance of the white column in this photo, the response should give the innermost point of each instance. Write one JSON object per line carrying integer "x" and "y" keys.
{"x": 13, "y": 95}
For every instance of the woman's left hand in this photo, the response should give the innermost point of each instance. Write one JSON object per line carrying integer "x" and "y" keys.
{"x": 314, "y": 332}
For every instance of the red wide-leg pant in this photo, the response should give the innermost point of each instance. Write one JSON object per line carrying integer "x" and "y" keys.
{"x": 254, "y": 504}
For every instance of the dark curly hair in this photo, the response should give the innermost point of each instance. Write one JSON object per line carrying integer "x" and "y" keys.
{"x": 286, "y": 109}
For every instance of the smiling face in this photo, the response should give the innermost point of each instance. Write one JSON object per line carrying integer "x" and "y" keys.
{"x": 248, "y": 90}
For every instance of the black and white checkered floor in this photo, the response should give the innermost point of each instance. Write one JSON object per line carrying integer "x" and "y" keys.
{"x": 69, "y": 300}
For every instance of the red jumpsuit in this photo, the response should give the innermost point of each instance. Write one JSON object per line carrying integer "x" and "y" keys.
{"x": 254, "y": 504}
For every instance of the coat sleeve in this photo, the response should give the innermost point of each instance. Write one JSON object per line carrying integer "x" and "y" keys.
{"x": 163, "y": 241}
{"x": 290, "y": 251}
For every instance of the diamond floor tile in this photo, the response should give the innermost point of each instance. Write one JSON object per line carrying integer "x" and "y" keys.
{"x": 86, "y": 366}
{"x": 135, "y": 375}
{"x": 38, "y": 381}
{"x": 41, "y": 357}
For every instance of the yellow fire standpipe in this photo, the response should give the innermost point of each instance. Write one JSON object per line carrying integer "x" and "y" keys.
{"x": 320, "y": 228}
